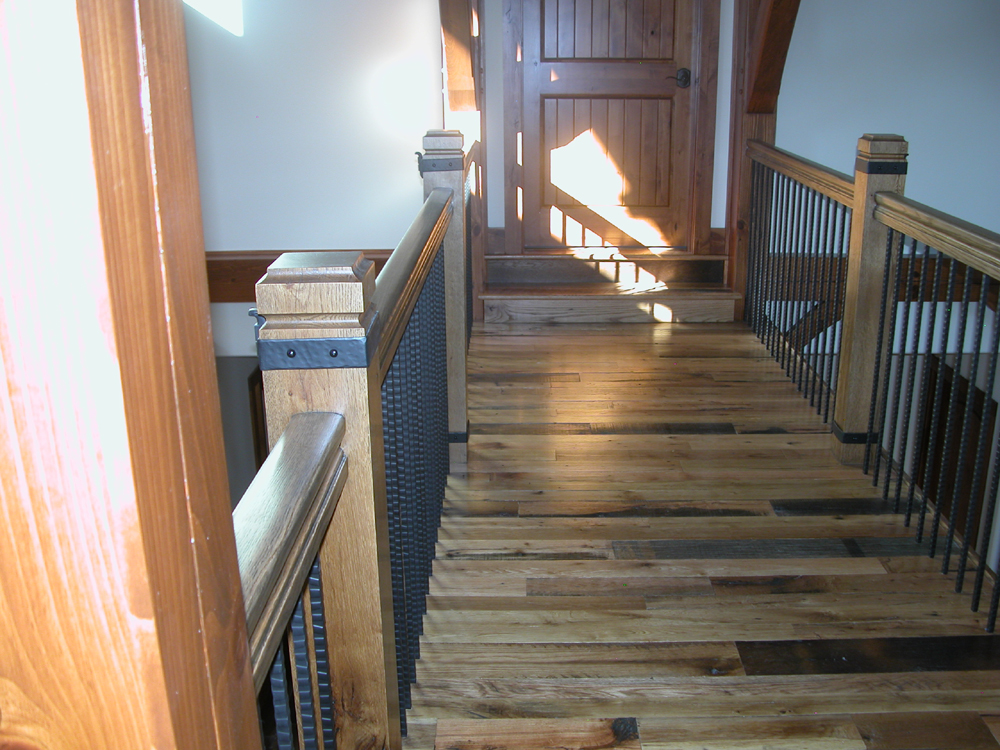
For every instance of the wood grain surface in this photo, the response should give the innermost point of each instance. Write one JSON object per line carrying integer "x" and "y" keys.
{"x": 651, "y": 527}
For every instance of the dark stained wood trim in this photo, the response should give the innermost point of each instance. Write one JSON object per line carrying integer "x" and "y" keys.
{"x": 743, "y": 127}
{"x": 512, "y": 94}
{"x": 143, "y": 149}
{"x": 706, "y": 52}
{"x": 232, "y": 274}
{"x": 772, "y": 35}
{"x": 456, "y": 29}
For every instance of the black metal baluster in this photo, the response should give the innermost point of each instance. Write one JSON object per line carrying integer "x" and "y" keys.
{"x": 879, "y": 351}
{"x": 967, "y": 417}
{"x": 982, "y": 455}
{"x": 303, "y": 678}
{"x": 777, "y": 266}
{"x": 912, "y": 371}
{"x": 823, "y": 319}
{"x": 952, "y": 405}
{"x": 839, "y": 313}
{"x": 898, "y": 384}
{"x": 781, "y": 261}
{"x": 752, "y": 245}
{"x": 280, "y": 691}
{"x": 326, "y": 715}
{"x": 788, "y": 318}
{"x": 936, "y": 407}
{"x": 802, "y": 319}
{"x": 991, "y": 507}
{"x": 798, "y": 291}
{"x": 925, "y": 374}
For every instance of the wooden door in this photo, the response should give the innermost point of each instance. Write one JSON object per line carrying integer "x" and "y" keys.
{"x": 612, "y": 150}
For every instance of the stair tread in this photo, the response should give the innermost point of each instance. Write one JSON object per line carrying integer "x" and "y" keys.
{"x": 599, "y": 254}
{"x": 672, "y": 291}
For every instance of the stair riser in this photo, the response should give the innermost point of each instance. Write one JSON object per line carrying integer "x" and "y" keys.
{"x": 548, "y": 271}
{"x": 608, "y": 310}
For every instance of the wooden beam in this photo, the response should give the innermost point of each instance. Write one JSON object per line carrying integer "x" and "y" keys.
{"x": 119, "y": 563}
{"x": 772, "y": 34}
{"x": 456, "y": 28}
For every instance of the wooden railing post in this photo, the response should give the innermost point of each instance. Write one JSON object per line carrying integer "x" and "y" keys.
{"x": 443, "y": 165}
{"x": 327, "y": 296}
{"x": 880, "y": 167}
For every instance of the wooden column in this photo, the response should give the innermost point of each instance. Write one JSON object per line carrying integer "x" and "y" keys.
{"x": 444, "y": 166}
{"x": 762, "y": 31}
{"x": 121, "y": 615}
{"x": 323, "y": 296}
{"x": 880, "y": 167}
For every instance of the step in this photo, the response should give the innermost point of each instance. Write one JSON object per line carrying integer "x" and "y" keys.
{"x": 604, "y": 267}
{"x": 606, "y": 303}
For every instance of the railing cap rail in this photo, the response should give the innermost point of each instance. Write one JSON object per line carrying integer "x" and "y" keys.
{"x": 280, "y": 522}
{"x": 831, "y": 183}
{"x": 968, "y": 243}
{"x": 401, "y": 279}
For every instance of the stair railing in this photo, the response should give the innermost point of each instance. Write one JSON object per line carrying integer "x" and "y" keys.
{"x": 367, "y": 361}
{"x": 932, "y": 413}
{"x": 800, "y": 219}
{"x": 884, "y": 312}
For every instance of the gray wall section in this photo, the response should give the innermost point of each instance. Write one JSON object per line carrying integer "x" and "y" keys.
{"x": 237, "y": 433}
{"x": 924, "y": 69}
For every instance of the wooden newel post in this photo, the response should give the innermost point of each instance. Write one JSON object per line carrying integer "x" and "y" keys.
{"x": 443, "y": 165}
{"x": 318, "y": 306}
{"x": 880, "y": 167}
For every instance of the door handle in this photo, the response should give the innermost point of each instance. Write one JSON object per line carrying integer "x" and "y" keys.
{"x": 683, "y": 78}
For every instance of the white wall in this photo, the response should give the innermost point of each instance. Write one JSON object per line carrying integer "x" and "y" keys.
{"x": 307, "y": 125}
{"x": 924, "y": 69}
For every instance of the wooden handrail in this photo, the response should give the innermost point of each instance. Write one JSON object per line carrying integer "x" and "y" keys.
{"x": 967, "y": 243}
{"x": 280, "y": 523}
{"x": 829, "y": 182}
{"x": 398, "y": 285}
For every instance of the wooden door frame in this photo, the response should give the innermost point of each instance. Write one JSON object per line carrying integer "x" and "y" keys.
{"x": 762, "y": 31}
{"x": 120, "y": 576}
{"x": 704, "y": 69}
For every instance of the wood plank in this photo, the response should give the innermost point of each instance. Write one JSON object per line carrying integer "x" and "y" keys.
{"x": 925, "y": 731}
{"x": 754, "y": 733}
{"x": 577, "y": 661}
{"x": 709, "y": 696}
{"x": 544, "y": 734}
{"x": 852, "y": 656}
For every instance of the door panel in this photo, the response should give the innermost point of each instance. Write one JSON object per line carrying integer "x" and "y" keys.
{"x": 607, "y": 133}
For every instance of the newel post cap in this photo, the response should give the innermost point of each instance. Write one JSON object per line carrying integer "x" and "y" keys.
{"x": 883, "y": 147}
{"x": 316, "y": 283}
{"x": 444, "y": 140}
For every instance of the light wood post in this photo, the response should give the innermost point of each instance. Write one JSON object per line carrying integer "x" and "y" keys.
{"x": 443, "y": 165}
{"x": 880, "y": 167}
{"x": 328, "y": 296}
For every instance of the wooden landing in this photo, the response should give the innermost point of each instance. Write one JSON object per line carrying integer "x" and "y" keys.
{"x": 653, "y": 548}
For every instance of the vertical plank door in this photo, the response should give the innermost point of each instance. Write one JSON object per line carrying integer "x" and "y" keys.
{"x": 614, "y": 150}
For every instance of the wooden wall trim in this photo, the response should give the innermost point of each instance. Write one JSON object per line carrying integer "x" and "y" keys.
{"x": 232, "y": 274}
{"x": 135, "y": 64}
{"x": 772, "y": 35}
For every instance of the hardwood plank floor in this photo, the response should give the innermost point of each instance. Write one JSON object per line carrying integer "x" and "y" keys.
{"x": 652, "y": 548}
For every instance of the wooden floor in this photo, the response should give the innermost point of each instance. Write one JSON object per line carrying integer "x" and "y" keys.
{"x": 653, "y": 548}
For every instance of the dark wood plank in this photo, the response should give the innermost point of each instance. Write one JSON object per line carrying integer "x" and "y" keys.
{"x": 860, "y": 655}
{"x": 925, "y": 731}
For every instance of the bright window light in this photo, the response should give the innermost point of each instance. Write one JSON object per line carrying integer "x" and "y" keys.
{"x": 227, "y": 13}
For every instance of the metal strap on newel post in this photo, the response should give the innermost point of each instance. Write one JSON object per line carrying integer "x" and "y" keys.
{"x": 316, "y": 354}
